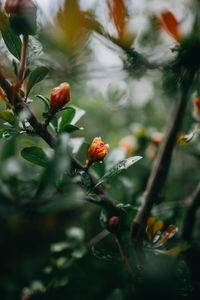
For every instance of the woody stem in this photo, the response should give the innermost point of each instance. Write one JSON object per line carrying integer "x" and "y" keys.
{"x": 22, "y": 70}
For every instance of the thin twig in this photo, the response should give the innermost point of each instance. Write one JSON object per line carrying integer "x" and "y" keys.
{"x": 22, "y": 70}
{"x": 124, "y": 258}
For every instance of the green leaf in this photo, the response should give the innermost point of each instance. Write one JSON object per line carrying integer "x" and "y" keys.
{"x": 57, "y": 166}
{"x": 114, "y": 156}
{"x": 27, "y": 143}
{"x": 118, "y": 168}
{"x": 67, "y": 117}
{"x": 35, "y": 155}
{"x": 7, "y": 116}
{"x": 69, "y": 128}
{"x": 5, "y": 133}
{"x": 45, "y": 100}
{"x": 12, "y": 41}
{"x": 36, "y": 76}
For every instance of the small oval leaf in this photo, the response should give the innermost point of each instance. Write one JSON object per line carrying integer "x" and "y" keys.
{"x": 12, "y": 41}
{"x": 67, "y": 117}
{"x": 35, "y": 155}
{"x": 36, "y": 76}
{"x": 118, "y": 168}
{"x": 69, "y": 128}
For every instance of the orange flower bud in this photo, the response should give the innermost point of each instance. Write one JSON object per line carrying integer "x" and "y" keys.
{"x": 60, "y": 96}
{"x": 97, "y": 151}
{"x": 113, "y": 224}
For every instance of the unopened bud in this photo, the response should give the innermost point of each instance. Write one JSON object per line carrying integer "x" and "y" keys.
{"x": 22, "y": 16}
{"x": 113, "y": 224}
{"x": 60, "y": 96}
{"x": 97, "y": 151}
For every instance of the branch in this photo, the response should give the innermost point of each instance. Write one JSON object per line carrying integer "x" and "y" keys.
{"x": 21, "y": 106}
{"x": 124, "y": 258}
{"x": 194, "y": 203}
{"x": 22, "y": 70}
{"x": 159, "y": 172}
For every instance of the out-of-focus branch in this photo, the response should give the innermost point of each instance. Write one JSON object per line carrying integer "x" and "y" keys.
{"x": 159, "y": 172}
{"x": 193, "y": 202}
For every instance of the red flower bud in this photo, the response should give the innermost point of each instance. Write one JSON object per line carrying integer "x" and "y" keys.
{"x": 113, "y": 224}
{"x": 20, "y": 7}
{"x": 60, "y": 96}
{"x": 97, "y": 151}
{"x": 22, "y": 16}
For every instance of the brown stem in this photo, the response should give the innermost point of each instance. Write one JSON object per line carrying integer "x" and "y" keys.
{"x": 22, "y": 70}
{"x": 124, "y": 258}
{"x": 47, "y": 121}
{"x": 159, "y": 172}
{"x": 193, "y": 201}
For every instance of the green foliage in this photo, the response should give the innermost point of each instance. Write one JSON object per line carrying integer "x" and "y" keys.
{"x": 118, "y": 168}
{"x": 8, "y": 116}
{"x": 36, "y": 76}
{"x": 12, "y": 41}
{"x": 35, "y": 155}
{"x": 69, "y": 222}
